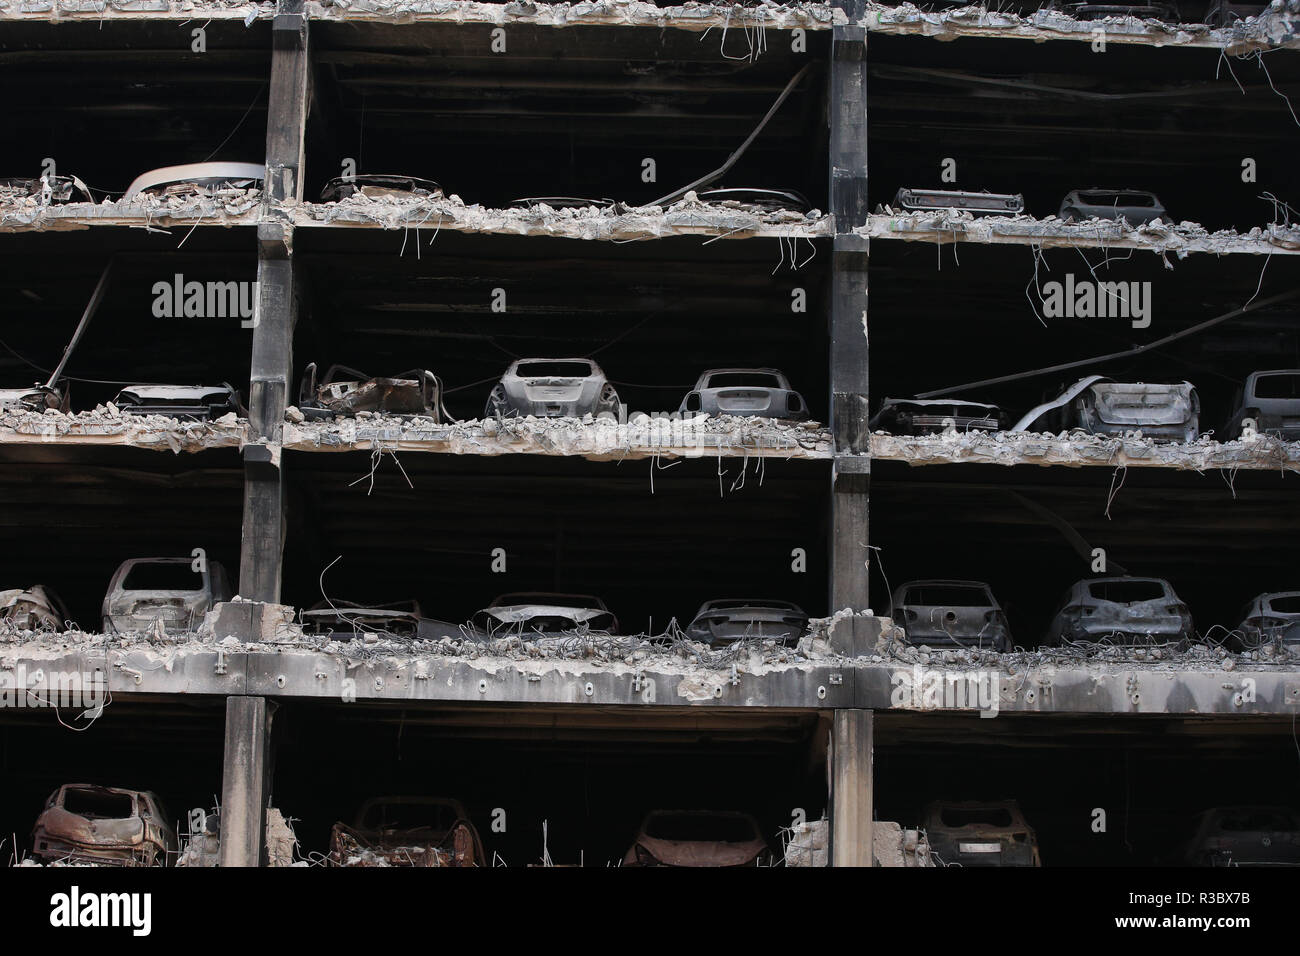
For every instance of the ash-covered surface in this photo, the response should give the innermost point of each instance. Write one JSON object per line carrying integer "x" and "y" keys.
{"x": 1271, "y": 30}
{"x": 688, "y": 216}
{"x": 228, "y": 207}
{"x": 1078, "y": 449}
{"x": 106, "y": 425}
{"x": 1159, "y": 237}
{"x": 688, "y": 16}
{"x": 597, "y": 440}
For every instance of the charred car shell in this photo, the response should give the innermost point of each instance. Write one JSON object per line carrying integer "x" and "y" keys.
{"x": 408, "y": 831}
{"x": 38, "y": 398}
{"x": 744, "y": 392}
{"x": 974, "y": 833}
{"x": 196, "y": 180}
{"x": 908, "y": 200}
{"x": 87, "y": 824}
{"x": 48, "y": 190}
{"x": 561, "y": 202}
{"x": 1100, "y": 406}
{"x": 1271, "y": 400}
{"x": 36, "y": 608}
{"x": 1270, "y": 619}
{"x": 345, "y": 391}
{"x": 552, "y": 388}
{"x": 146, "y": 592}
{"x": 914, "y": 416}
{"x": 1137, "y": 206}
{"x": 766, "y": 200}
{"x": 1246, "y": 836}
{"x": 398, "y": 619}
{"x": 943, "y": 613}
{"x": 726, "y": 621}
{"x": 377, "y": 186}
{"x": 1122, "y": 610}
{"x": 543, "y": 614}
{"x": 198, "y": 403}
{"x": 698, "y": 838}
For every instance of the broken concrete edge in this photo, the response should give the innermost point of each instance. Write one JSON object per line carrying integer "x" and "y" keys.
{"x": 612, "y": 672}
{"x": 1269, "y": 31}
{"x": 1077, "y": 450}
{"x": 1159, "y": 237}
{"x": 594, "y": 440}
{"x": 28, "y": 215}
{"x": 106, "y": 426}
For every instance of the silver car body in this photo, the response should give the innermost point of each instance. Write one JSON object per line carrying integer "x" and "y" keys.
{"x": 198, "y": 178}
{"x": 1124, "y": 610}
{"x": 553, "y": 388}
{"x": 744, "y": 392}
{"x": 1100, "y": 406}
{"x": 544, "y": 614}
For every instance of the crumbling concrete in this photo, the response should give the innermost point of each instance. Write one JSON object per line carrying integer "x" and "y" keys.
{"x": 230, "y": 207}
{"x": 106, "y": 425}
{"x": 203, "y": 849}
{"x": 808, "y": 844}
{"x": 894, "y": 846}
{"x": 1158, "y": 237}
{"x": 102, "y": 10}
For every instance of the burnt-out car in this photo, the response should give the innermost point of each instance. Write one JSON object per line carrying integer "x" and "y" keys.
{"x": 728, "y": 620}
{"x": 36, "y": 398}
{"x": 407, "y": 831}
{"x": 745, "y": 392}
{"x": 909, "y": 200}
{"x": 1271, "y": 400}
{"x": 972, "y": 833}
{"x": 89, "y": 825}
{"x": 47, "y": 190}
{"x": 1121, "y": 610}
{"x": 552, "y": 388}
{"x": 1224, "y": 13}
{"x": 1270, "y": 619}
{"x": 1246, "y": 836}
{"x": 914, "y": 416}
{"x": 344, "y": 391}
{"x": 34, "y": 608}
{"x": 698, "y": 838}
{"x": 378, "y": 186}
{"x": 146, "y": 591}
{"x": 544, "y": 614}
{"x": 344, "y": 618}
{"x": 943, "y": 613}
{"x": 1136, "y": 206}
{"x": 764, "y": 200}
{"x": 1167, "y": 12}
{"x": 560, "y": 202}
{"x": 196, "y": 180}
{"x": 193, "y": 403}
{"x": 1100, "y": 406}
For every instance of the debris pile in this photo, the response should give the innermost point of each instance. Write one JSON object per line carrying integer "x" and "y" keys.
{"x": 228, "y": 207}
{"x": 106, "y": 424}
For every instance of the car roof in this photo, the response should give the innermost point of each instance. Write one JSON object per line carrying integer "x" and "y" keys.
{"x": 548, "y": 599}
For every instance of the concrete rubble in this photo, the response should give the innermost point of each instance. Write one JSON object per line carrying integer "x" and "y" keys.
{"x": 204, "y": 849}
{"x": 688, "y": 16}
{"x": 106, "y": 425}
{"x": 229, "y": 207}
{"x": 894, "y": 846}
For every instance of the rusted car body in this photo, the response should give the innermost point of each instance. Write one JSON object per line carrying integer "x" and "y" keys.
{"x": 195, "y": 403}
{"x": 552, "y": 388}
{"x": 37, "y": 398}
{"x": 1271, "y": 400}
{"x": 1100, "y": 406}
{"x": 87, "y": 824}
{"x": 726, "y": 621}
{"x": 942, "y": 200}
{"x": 746, "y": 392}
{"x": 145, "y": 592}
{"x": 1246, "y": 836}
{"x": 1270, "y": 619}
{"x": 1122, "y": 610}
{"x": 912, "y": 416}
{"x": 36, "y": 608}
{"x": 1137, "y": 206}
{"x": 972, "y": 833}
{"x": 344, "y": 618}
{"x": 378, "y": 186}
{"x": 543, "y": 614}
{"x": 345, "y": 392}
{"x": 698, "y": 838}
{"x": 408, "y": 831}
{"x": 941, "y": 613}
{"x": 195, "y": 180}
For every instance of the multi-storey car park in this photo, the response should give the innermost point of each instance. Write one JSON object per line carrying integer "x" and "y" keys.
{"x": 851, "y": 101}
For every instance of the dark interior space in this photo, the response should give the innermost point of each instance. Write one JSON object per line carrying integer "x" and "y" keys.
{"x": 109, "y": 101}
{"x": 49, "y": 279}
{"x": 592, "y": 776}
{"x": 1043, "y": 119}
{"x": 565, "y": 525}
{"x": 72, "y": 515}
{"x": 172, "y": 747}
{"x": 1220, "y": 539}
{"x": 1151, "y": 776}
{"x": 653, "y": 315}
{"x": 973, "y": 313}
{"x": 569, "y": 112}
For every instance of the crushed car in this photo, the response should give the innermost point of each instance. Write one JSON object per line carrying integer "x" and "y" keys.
{"x": 764, "y": 200}
{"x": 1246, "y": 836}
{"x": 344, "y": 392}
{"x": 552, "y": 388}
{"x": 87, "y": 825}
{"x": 1271, "y": 400}
{"x": 408, "y": 831}
{"x": 560, "y": 202}
{"x": 909, "y": 200}
{"x": 398, "y": 619}
{"x": 196, "y": 180}
{"x": 1270, "y": 619}
{"x": 914, "y": 416}
{"x": 544, "y": 614}
{"x": 47, "y": 190}
{"x": 190, "y": 403}
{"x": 1121, "y": 610}
{"x": 33, "y": 609}
{"x": 941, "y": 613}
{"x": 1100, "y": 406}
{"x": 746, "y": 393}
{"x": 698, "y": 838}
{"x": 378, "y": 186}
{"x": 973, "y": 833}
{"x": 725, "y": 621}
{"x": 145, "y": 593}
{"x": 37, "y": 398}
{"x": 1136, "y": 206}
{"x": 1166, "y": 12}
